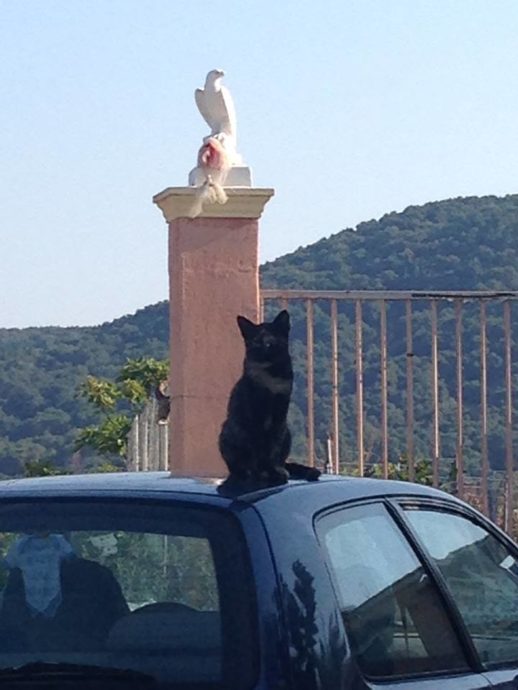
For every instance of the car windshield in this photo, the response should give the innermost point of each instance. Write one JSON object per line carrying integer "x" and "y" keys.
{"x": 147, "y": 586}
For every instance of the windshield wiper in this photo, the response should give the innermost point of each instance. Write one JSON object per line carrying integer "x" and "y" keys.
{"x": 60, "y": 675}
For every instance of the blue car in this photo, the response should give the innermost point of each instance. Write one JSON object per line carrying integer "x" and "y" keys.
{"x": 141, "y": 580}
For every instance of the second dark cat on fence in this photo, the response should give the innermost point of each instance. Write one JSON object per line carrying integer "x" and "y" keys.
{"x": 255, "y": 440}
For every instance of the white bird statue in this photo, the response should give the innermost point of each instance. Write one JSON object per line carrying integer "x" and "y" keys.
{"x": 218, "y": 152}
{"x": 216, "y": 106}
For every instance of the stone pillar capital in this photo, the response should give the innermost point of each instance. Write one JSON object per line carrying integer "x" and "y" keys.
{"x": 243, "y": 202}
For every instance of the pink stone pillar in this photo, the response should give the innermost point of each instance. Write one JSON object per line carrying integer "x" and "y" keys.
{"x": 213, "y": 277}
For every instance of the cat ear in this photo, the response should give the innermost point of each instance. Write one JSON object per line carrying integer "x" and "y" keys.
{"x": 246, "y": 327}
{"x": 282, "y": 322}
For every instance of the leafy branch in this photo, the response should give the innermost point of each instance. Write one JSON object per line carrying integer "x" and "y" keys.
{"x": 118, "y": 402}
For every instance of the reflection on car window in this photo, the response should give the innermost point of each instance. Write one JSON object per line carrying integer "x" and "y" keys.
{"x": 154, "y": 568}
{"x": 394, "y": 617}
{"x": 157, "y": 589}
{"x": 482, "y": 576}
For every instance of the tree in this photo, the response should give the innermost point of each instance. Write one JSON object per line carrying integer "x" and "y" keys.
{"x": 118, "y": 402}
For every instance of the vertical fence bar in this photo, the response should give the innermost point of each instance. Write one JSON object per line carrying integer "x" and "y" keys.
{"x": 436, "y": 443}
{"x": 384, "y": 410}
{"x": 484, "y": 469}
{"x": 283, "y": 302}
{"x": 334, "y": 386}
{"x": 133, "y": 446}
{"x": 310, "y": 382}
{"x": 329, "y": 456}
{"x": 508, "y": 421}
{"x": 159, "y": 431}
{"x": 154, "y": 435}
{"x": 409, "y": 391}
{"x": 459, "y": 455}
{"x": 143, "y": 443}
{"x": 165, "y": 442}
{"x": 359, "y": 389}
{"x": 166, "y": 449}
{"x": 261, "y": 308}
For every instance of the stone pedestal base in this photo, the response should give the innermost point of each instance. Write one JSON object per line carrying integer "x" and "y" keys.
{"x": 214, "y": 276}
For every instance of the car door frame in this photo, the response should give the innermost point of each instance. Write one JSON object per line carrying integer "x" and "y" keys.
{"x": 473, "y": 679}
{"x": 504, "y": 677}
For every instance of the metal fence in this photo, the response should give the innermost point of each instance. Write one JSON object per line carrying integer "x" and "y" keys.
{"x": 432, "y": 336}
{"x": 148, "y": 441}
{"x": 394, "y": 381}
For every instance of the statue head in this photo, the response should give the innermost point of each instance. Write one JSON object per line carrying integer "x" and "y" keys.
{"x": 214, "y": 75}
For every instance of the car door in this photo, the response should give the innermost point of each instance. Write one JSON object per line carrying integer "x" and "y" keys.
{"x": 479, "y": 567}
{"x": 400, "y": 630}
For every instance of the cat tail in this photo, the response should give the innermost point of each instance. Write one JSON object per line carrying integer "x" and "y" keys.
{"x": 298, "y": 471}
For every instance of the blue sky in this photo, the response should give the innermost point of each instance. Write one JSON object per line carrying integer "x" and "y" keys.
{"x": 349, "y": 108}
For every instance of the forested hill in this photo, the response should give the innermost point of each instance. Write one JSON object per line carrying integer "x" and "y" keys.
{"x": 458, "y": 244}
{"x": 469, "y": 243}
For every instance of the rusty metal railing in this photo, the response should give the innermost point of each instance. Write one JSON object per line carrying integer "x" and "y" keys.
{"x": 459, "y": 341}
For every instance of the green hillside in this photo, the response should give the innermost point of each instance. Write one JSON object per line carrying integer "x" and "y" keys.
{"x": 459, "y": 244}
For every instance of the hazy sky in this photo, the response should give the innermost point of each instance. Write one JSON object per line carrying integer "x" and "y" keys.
{"x": 349, "y": 108}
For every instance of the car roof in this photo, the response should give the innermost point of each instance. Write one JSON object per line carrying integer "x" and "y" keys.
{"x": 328, "y": 489}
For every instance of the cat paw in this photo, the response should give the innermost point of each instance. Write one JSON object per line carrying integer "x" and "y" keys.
{"x": 305, "y": 472}
{"x": 277, "y": 476}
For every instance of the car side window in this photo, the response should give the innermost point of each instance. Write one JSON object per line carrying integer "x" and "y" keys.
{"x": 482, "y": 576}
{"x": 394, "y": 616}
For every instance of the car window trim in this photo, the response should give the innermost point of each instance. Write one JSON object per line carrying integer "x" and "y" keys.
{"x": 396, "y": 513}
{"x": 459, "y": 509}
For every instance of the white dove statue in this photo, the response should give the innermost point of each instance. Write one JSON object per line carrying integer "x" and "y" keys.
{"x": 218, "y": 152}
{"x": 218, "y": 160}
{"x": 216, "y": 106}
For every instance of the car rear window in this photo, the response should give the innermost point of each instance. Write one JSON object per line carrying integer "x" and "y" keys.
{"x": 154, "y": 587}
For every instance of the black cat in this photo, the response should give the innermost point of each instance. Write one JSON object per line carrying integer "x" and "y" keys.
{"x": 255, "y": 440}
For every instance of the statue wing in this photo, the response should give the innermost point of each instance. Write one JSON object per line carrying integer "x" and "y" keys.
{"x": 201, "y": 101}
{"x": 228, "y": 105}
{"x": 217, "y": 110}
